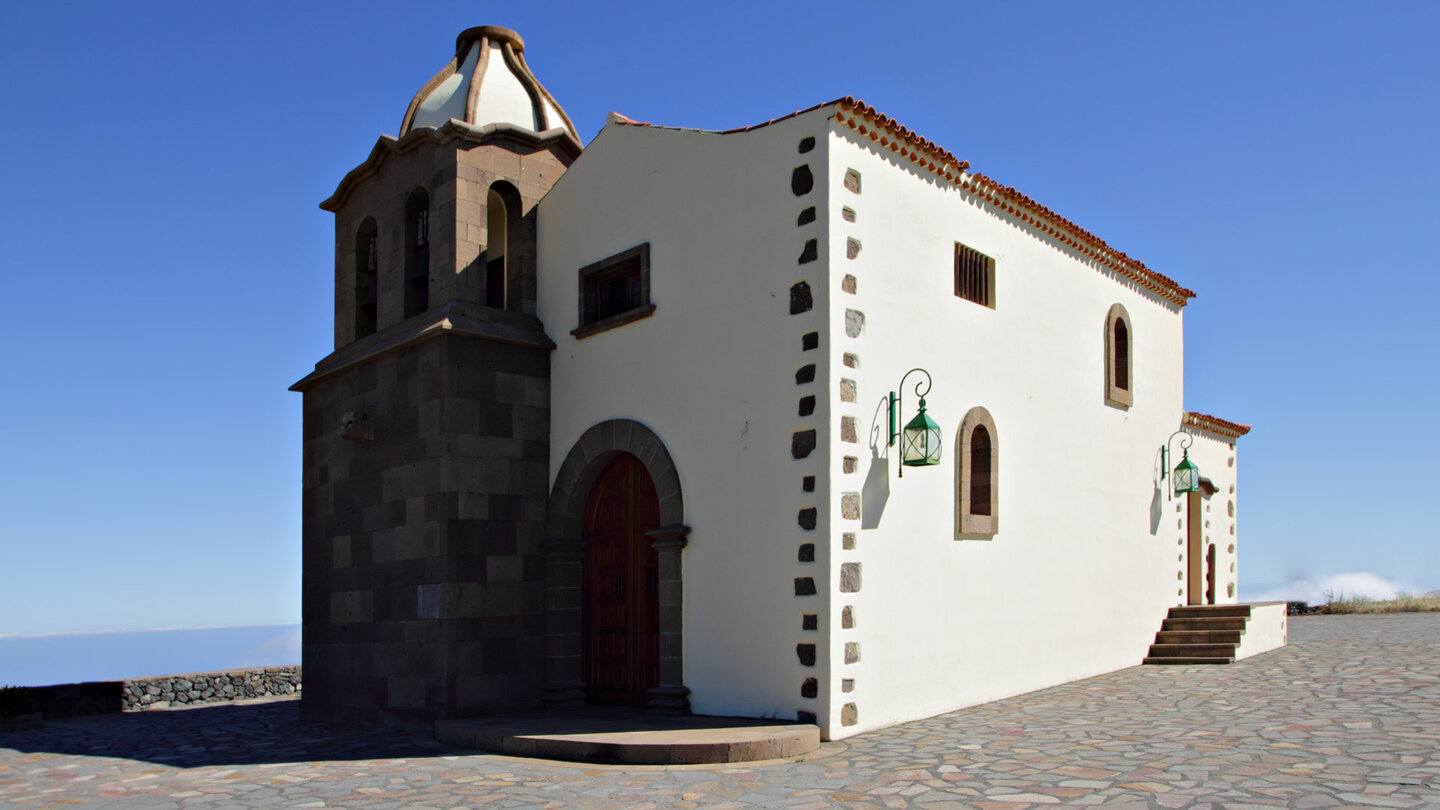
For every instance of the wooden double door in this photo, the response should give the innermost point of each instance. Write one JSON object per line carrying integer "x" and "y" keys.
{"x": 622, "y": 586}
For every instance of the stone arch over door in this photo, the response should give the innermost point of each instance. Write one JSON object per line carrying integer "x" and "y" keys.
{"x": 564, "y": 552}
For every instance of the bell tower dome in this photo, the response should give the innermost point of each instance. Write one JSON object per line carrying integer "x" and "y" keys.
{"x": 487, "y": 84}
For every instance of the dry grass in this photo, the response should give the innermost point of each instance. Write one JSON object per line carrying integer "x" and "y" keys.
{"x": 1408, "y": 603}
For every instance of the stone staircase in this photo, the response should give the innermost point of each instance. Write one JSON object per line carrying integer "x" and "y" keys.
{"x": 1200, "y": 634}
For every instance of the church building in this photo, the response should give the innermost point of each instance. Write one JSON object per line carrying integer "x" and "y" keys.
{"x": 806, "y": 420}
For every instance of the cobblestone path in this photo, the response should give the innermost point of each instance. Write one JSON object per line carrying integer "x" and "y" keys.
{"x": 1347, "y": 716}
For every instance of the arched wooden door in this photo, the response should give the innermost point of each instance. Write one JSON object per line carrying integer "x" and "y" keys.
{"x": 622, "y": 593}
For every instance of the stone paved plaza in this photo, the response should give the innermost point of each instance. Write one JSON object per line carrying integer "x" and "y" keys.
{"x": 1348, "y": 715}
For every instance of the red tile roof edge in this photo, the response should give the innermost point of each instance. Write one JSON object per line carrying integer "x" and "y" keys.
{"x": 1007, "y": 198}
{"x": 1215, "y": 424}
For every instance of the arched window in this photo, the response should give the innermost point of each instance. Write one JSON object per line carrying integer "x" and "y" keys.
{"x": 495, "y": 250}
{"x": 367, "y": 257}
{"x": 1119, "y": 366}
{"x": 417, "y": 253}
{"x": 509, "y": 254}
{"x": 978, "y": 496}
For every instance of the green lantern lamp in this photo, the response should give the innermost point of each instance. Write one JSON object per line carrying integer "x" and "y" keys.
{"x": 920, "y": 440}
{"x": 1186, "y": 476}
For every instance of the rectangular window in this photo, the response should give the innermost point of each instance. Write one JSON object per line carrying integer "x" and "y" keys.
{"x": 615, "y": 291}
{"x": 974, "y": 276}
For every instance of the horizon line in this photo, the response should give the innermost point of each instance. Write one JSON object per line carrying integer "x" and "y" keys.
{"x": 12, "y": 636}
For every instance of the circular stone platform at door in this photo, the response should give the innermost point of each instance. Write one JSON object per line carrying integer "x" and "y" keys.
{"x": 631, "y": 737}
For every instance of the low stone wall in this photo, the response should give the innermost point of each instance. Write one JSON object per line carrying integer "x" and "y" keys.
{"x": 207, "y": 687}
{"x": 25, "y": 705}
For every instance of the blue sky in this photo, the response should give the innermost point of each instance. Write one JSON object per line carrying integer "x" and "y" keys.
{"x": 165, "y": 273}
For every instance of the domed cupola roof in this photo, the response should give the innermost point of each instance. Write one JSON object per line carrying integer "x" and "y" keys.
{"x": 487, "y": 83}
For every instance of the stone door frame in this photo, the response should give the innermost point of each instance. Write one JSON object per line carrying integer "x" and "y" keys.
{"x": 564, "y": 553}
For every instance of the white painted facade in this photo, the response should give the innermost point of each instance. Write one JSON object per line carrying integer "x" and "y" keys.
{"x": 1087, "y": 557}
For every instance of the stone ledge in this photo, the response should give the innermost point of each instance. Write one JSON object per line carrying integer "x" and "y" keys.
{"x": 631, "y": 737}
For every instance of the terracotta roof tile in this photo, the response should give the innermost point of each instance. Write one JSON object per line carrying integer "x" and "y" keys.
{"x": 1215, "y": 424}
{"x": 889, "y": 133}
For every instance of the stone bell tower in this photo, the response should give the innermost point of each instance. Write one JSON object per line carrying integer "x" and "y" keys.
{"x": 427, "y": 429}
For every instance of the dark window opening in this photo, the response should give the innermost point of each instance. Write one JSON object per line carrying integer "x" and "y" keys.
{"x": 497, "y": 249}
{"x": 366, "y": 278}
{"x": 1122, "y": 356}
{"x": 417, "y": 253}
{"x": 980, "y": 482}
{"x": 974, "y": 276}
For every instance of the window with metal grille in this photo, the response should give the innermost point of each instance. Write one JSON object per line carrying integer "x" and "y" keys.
{"x": 974, "y": 276}
{"x": 615, "y": 291}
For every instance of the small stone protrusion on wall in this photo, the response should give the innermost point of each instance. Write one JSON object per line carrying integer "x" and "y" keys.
{"x": 802, "y": 443}
{"x": 847, "y": 284}
{"x": 847, "y": 685}
{"x": 809, "y": 621}
{"x": 847, "y": 617}
{"x": 806, "y": 217}
{"x": 849, "y": 715}
{"x": 850, "y": 577}
{"x": 800, "y": 298}
{"x": 810, "y": 688}
{"x": 801, "y": 181}
{"x": 807, "y": 483}
{"x": 849, "y": 464}
{"x": 807, "y": 406}
{"x": 806, "y": 554}
{"x": 850, "y": 360}
{"x": 806, "y": 654}
{"x": 847, "y": 213}
{"x": 852, "y": 249}
{"x": 809, "y": 341}
{"x": 356, "y": 426}
{"x": 807, "y": 518}
{"x": 850, "y": 505}
{"x": 804, "y": 586}
{"x": 805, "y": 374}
{"x": 847, "y": 430}
{"x": 810, "y": 252}
{"x": 847, "y": 391}
{"x": 847, "y": 541}
{"x": 852, "y": 181}
{"x": 852, "y": 652}
{"x": 802, "y": 716}
{"x": 807, "y": 143}
{"x": 854, "y": 323}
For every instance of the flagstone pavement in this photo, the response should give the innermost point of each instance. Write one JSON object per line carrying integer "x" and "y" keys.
{"x": 1348, "y": 715}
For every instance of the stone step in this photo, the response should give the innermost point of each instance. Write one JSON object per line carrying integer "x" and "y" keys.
{"x": 1198, "y": 611}
{"x": 631, "y": 737}
{"x": 1192, "y": 651}
{"x": 1230, "y": 637}
{"x": 1204, "y": 623}
{"x": 1179, "y": 661}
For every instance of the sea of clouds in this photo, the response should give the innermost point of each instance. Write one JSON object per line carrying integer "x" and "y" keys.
{"x": 1352, "y": 585}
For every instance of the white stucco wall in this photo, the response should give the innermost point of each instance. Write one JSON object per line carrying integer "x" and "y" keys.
{"x": 1086, "y": 561}
{"x": 1217, "y": 459}
{"x": 1080, "y": 573}
{"x": 712, "y": 372}
{"x": 1268, "y": 629}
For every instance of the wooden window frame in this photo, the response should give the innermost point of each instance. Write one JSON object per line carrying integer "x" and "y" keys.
{"x": 1115, "y": 393}
{"x": 974, "y": 276}
{"x": 971, "y": 525}
{"x": 635, "y": 261}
